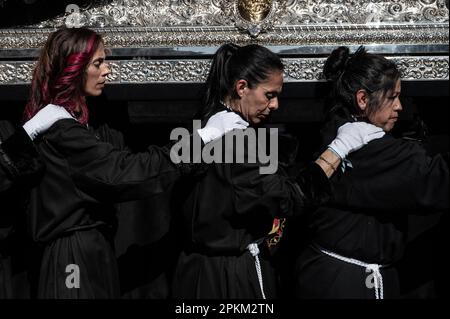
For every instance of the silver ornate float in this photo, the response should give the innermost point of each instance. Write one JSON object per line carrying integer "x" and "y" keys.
{"x": 171, "y": 40}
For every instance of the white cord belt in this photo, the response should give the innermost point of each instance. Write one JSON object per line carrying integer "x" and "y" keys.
{"x": 254, "y": 250}
{"x": 374, "y": 268}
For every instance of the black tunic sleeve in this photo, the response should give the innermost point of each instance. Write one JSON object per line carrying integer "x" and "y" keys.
{"x": 278, "y": 194}
{"x": 20, "y": 164}
{"x": 396, "y": 175}
{"x": 315, "y": 186}
{"x": 111, "y": 136}
{"x": 107, "y": 173}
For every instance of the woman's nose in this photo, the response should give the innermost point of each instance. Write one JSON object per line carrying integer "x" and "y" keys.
{"x": 398, "y": 105}
{"x": 273, "y": 104}
{"x": 106, "y": 69}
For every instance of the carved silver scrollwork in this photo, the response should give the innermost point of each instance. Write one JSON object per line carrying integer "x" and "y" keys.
{"x": 144, "y": 71}
{"x": 151, "y": 13}
{"x": 296, "y": 12}
{"x": 196, "y": 70}
{"x": 207, "y": 13}
{"x": 156, "y": 23}
{"x": 16, "y": 72}
{"x": 315, "y": 26}
{"x": 303, "y": 69}
{"x": 414, "y": 68}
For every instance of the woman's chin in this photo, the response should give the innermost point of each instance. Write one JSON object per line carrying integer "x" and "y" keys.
{"x": 95, "y": 92}
{"x": 388, "y": 127}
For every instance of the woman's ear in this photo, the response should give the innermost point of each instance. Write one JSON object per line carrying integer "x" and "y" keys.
{"x": 362, "y": 99}
{"x": 241, "y": 85}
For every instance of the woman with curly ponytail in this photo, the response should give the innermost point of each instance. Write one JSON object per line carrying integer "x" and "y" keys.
{"x": 360, "y": 235}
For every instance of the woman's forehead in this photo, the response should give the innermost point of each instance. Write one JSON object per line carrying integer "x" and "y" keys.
{"x": 274, "y": 79}
{"x": 100, "y": 52}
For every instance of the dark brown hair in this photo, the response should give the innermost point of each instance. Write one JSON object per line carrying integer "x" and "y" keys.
{"x": 362, "y": 70}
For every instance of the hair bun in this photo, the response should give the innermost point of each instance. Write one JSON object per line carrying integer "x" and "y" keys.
{"x": 336, "y": 63}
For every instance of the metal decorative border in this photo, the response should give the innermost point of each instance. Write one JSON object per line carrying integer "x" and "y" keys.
{"x": 210, "y": 13}
{"x": 423, "y": 68}
{"x": 172, "y": 37}
{"x": 174, "y": 23}
{"x": 331, "y": 35}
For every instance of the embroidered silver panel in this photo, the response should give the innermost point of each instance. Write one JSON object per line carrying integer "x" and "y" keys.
{"x": 195, "y": 71}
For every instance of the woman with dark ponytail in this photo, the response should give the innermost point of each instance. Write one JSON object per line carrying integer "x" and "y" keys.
{"x": 229, "y": 212}
{"x": 71, "y": 210}
{"x": 360, "y": 234}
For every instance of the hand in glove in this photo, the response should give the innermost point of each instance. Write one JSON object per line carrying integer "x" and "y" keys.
{"x": 45, "y": 118}
{"x": 219, "y": 124}
{"x": 353, "y": 136}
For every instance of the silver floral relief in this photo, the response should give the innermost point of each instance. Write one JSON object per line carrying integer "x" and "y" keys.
{"x": 303, "y": 69}
{"x": 423, "y": 68}
{"x": 22, "y": 39}
{"x": 16, "y": 72}
{"x": 150, "y": 13}
{"x": 169, "y": 13}
{"x": 191, "y": 71}
{"x": 133, "y": 71}
{"x": 159, "y": 71}
{"x": 196, "y": 71}
{"x": 156, "y": 23}
{"x": 7, "y": 73}
{"x": 114, "y": 76}
{"x": 309, "y": 24}
{"x": 411, "y": 68}
{"x": 297, "y": 12}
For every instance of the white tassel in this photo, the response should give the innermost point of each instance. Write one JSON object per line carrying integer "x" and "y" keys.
{"x": 254, "y": 250}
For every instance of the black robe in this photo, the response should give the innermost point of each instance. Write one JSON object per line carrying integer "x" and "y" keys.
{"x": 20, "y": 169}
{"x": 143, "y": 243}
{"x": 224, "y": 211}
{"x": 368, "y": 216}
{"x": 71, "y": 210}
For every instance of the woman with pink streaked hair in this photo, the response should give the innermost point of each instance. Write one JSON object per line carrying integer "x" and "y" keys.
{"x": 70, "y": 210}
